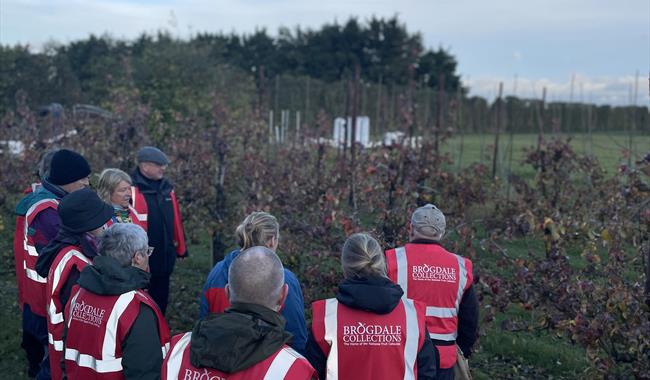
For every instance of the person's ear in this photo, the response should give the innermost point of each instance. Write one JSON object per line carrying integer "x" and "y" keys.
{"x": 272, "y": 243}
{"x": 283, "y": 296}
{"x": 137, "y": 260}
{"x": 228, "y": 292}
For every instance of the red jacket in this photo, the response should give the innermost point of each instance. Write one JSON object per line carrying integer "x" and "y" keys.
{"x": 34, "y": 284}
{"x": 140, "y": 217}
{"x": 97, "y": 327}
{"x": 20, "y": 250}
{"x": 67, "y": 259}
{"x": 363, "y": 345}
{"x": 284, "y": 364}
{"x": 438, "y": 278}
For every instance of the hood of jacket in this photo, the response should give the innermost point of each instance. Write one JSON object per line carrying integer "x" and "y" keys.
{"x": 377, "y": 295}
{"x": 244, "y": 335}
{"x": 31, "y": 198}
{"x": 107, "y": 277}
{"x": 64, "y": 238}
{"x": 147, "y": 185}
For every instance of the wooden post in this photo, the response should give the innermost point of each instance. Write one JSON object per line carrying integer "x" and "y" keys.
{"x": 355, "y": 104}
{"x": 498, "y": 130}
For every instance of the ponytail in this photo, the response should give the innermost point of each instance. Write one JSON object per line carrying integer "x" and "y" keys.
{"x": 362, "y": 257}
{"x": 257, "y": 229}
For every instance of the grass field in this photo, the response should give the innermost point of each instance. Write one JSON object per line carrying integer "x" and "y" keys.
{"x": 609, "y": 148}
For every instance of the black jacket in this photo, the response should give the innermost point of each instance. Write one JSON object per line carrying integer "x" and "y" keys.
{"x": 380, "y": 296}
{"x": 141, "y": 354}
{"x": 160, "y": 222}
{"x": 244, "y": 335}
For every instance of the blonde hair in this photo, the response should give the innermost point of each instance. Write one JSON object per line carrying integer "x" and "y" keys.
{"x": 362, "y": 257}
{"x": 257, "y": 229}
{"x": 108, "y": 182}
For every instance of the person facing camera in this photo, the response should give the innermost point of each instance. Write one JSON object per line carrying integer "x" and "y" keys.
{"x": 114, "y": 188}
{"x": 369, "y": 331}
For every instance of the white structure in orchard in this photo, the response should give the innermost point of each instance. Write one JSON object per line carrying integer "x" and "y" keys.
{"x": 362, "y": 131}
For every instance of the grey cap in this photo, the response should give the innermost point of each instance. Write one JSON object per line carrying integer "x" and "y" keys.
{"x": 429, "y": 222}
{"x": 152, "y": 154}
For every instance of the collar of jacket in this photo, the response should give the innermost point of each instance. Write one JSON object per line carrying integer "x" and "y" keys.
{"x": 377, "y": 295}
{"x": 62, "y": 240}
{"x": 425, "y": 241}
{"x": 107, "y": 277}
{"x": 242, "y": 336}
{"x": 147, "y": 185}
{"x": 54, "y": 189}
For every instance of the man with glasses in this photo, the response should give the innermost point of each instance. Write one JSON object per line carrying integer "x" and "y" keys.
{"x": 114, "y": 328}
{"x": 156, "y": 207}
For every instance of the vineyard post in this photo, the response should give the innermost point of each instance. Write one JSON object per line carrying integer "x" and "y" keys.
{"x": 355, "y": 104}
{"x": 307, "y": 101}
{"x": 498, "y": 130}
{"x": 378, "y": 109}
{"x": 439, "y": 123}
{"x": 459, "y": 110}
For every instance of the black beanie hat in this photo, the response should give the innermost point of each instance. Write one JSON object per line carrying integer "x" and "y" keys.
{"x": 67, "y": 167}
{"x": 83, "y": 211}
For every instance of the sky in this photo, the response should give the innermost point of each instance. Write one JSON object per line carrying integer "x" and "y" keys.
{"x": 598, "y": 45}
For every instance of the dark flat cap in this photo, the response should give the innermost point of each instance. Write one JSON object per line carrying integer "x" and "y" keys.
{"x": 152, "y": 154}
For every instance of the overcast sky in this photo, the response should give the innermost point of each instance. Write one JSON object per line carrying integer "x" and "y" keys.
{"x": 542, "y": 43}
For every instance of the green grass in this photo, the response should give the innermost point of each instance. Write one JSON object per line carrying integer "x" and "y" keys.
{"x": 608, "y": 148}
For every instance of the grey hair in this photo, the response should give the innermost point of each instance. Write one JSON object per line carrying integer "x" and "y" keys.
{"x": 362, "y": 257}
{"x": 45, "y": 163}
{"x": 108, "y": 182}
{"x": 256, "y": 276}
{"x": 121, "y": 241}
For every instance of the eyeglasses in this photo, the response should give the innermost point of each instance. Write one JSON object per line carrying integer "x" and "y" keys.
{"x": 148, "y": 252}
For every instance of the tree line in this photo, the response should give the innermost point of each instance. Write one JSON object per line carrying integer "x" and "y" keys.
{"x": 306, "y": 70}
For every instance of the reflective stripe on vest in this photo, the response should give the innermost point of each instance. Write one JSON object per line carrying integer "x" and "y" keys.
{"x": 462, "y": 272}
{"x": 56, "y": 316}
{"x": 176, "y": 356}
{"x": 99, "y": 366}
{"x": 412, "y": 335}
{"x": 141, "y": 217}
{"x": 281, "y": 364}
{"x": 331, "y": 324}
{"x": 110, "y": 339}
{"x": 33, "y": 275}
{"x": 57, "y": 344}
{"x": 402, "y": 269}
{"x": 410, "y": 347}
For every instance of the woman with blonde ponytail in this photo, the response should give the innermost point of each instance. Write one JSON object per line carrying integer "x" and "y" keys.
{"x": 369, "y": 330}
{"x": 258, "y": 229}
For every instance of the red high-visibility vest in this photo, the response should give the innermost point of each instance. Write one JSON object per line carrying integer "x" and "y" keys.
{"x": 438, "y": 278}
{"x": 67, "y": 259}
{"x": 140, "y": 215}
{"x": 363, "y": 345}
{"x": 284, "y": 364}
{"x": 20, "y": 251}
{"x": 97, "y": 327}
{"x": 34, "y": 284}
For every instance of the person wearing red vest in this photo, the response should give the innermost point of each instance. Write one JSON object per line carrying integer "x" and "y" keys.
{"x": 37, "y": 223}
{"x": 369, "y": 331}
{"x": 114, "y": 187}
{"x": 114, "y": 329}
{"x": 83, "y": 216}
{"x": 442, "y": 281}
{"x": 156, "y": 206}
{"x": 248, "y": 340}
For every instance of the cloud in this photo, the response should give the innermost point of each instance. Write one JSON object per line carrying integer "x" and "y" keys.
{"x": 600, "y": 90}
